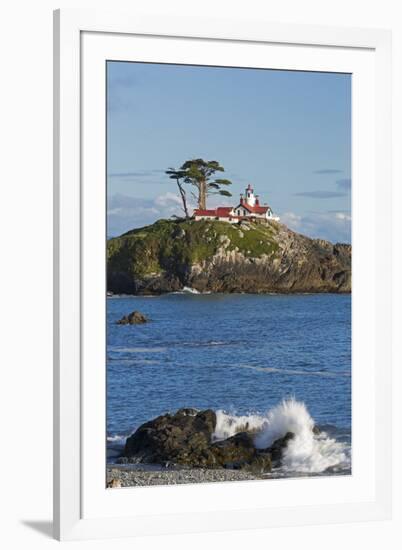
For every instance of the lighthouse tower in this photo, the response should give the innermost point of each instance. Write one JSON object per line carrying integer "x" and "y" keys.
{"x": 250, "y": 198}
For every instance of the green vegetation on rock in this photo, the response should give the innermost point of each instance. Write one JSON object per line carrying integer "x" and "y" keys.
{"x": 220, "y": 257}
{"x": 153, "y": 248}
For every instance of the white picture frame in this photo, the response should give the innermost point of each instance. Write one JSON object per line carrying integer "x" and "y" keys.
{"x": 83, "y": 507}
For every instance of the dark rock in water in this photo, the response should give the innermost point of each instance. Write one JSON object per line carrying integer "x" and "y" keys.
{"x": 234, "y": 451}
{"x": 182, "y": 438}
{"x": 260, "y": 464}
{"x": 185, "y": 438}
{"x": 188, "y": 411}
{"x": 278, "y": 447}
{"x": 239, "y": 453}
{"x": 133, "y": 318}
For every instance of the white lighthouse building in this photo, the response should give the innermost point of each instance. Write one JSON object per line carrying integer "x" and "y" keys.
{"x": 251, "y": 199}
{"x": 249, "y": 208}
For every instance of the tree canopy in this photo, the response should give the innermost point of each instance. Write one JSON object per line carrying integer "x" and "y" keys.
{"x": 200, "y": 174}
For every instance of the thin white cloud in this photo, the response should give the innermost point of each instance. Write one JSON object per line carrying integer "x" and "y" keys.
{"x": 168, "y": 200}
{"x": 332, "y": 225}
{"x": 125, "y": 212}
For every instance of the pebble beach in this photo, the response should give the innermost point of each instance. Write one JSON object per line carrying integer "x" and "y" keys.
{"x": 123, "y": 477}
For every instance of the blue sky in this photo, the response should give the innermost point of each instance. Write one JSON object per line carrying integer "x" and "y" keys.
{"x": 287, "y": 133}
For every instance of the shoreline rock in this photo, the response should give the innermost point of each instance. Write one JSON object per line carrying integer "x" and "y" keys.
{"x": 185, "y": 438}
{"x": 133, "y": 318}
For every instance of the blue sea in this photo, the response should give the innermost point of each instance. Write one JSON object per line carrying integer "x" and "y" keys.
{"x": 275, "y": 359}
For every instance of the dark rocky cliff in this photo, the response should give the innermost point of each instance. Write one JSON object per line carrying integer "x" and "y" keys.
{"x": 212, "y": 256}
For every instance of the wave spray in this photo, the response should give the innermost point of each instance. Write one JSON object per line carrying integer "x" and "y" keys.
{"x": 307, "y": 452}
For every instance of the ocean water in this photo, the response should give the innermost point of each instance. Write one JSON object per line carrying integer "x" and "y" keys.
{"x": 279, "y": 362}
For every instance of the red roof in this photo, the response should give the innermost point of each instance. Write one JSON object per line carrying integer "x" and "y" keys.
{"x": 221, "y": 212}
{"x": 200, "y": 212}
{"x": 224, "y": 211}
{"x": 260, "y": 209}
{"x": 257, "y": 209}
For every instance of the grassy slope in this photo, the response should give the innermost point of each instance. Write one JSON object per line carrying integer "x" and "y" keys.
{"x": 169, "y": 243}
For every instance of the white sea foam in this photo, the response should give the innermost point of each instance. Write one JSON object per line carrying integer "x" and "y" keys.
{"x": 297, "y": 372}
{"x": 133, "y": 361}
{"x": 305, "y": 453}
{"x": 189, "y": 290}
{"x": 228, "y": 425}
{"x": 205, "y": 344}
{"x": 138, "y": 350}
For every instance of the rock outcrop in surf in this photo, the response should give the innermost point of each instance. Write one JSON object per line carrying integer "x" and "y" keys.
{"x": 133, "y": 318}
{"x": 186, "y": 438}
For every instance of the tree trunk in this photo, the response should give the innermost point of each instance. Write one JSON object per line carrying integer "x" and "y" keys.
{"x": 202, "y": 196}
{"x": 183, "y": 198}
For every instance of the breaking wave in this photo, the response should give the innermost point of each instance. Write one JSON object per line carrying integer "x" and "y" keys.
{"x": 310, "y": 451}
{"x": 189, "y": 290}
{"x": 228, "y": 425}
{"x": 307, "y": 452}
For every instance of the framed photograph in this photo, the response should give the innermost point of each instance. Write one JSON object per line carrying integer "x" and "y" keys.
{"x": 217, "y": 185}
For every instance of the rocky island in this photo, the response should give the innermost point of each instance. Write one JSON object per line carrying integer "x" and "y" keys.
{"x": 216, "y": 256}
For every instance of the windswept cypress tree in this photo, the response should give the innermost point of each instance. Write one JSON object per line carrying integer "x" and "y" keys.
{"x": 200, "y": 174}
